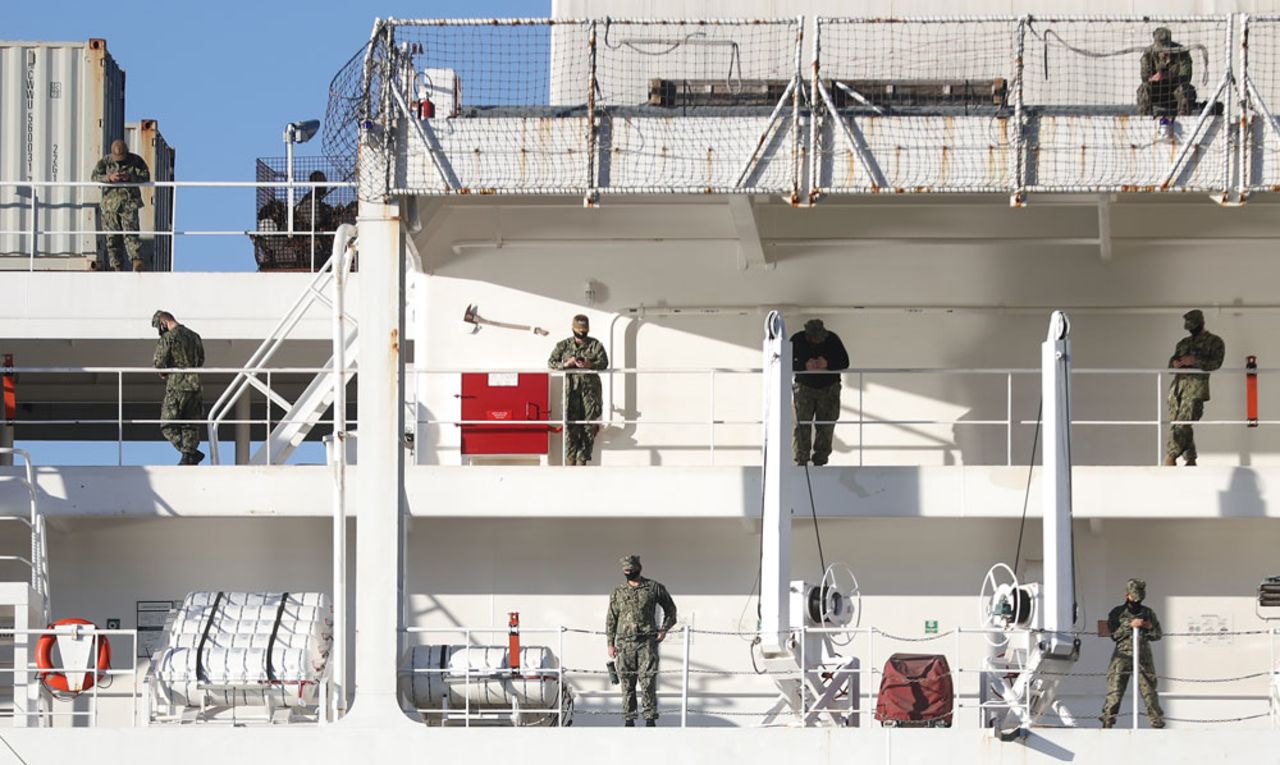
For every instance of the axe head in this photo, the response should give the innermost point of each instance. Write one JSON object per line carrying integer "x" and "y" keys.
{"x": 471, "y": 316}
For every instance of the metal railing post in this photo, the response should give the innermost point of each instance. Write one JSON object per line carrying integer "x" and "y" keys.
{"x": 466, "y": 679}
{"x": 861, "y": 417}
{"x": 1159, "y": 415}
{"x": 804, "y": 702}
{"x": 119, "y": 419}
{"x": 35, "y": 228}
{"x": 684, "y": 677}
{"x": 711, "y": 415}
{"x": 267, "y": 439}
{"x": 560, "y": 675}
{"x": 1008, "y": 427}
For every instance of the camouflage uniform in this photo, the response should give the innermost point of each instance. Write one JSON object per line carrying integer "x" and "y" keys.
{"x": 815, "y": 396}
{"x": 630, "y": 628}
{"x": 1188, "y": 393}
{"x": 582, "y": 394}
{"x": 180, "y": 347}
{"x": 1122, "y": 656}
{"x": 119, "y": 207}
{"x": 1174, "y": 94}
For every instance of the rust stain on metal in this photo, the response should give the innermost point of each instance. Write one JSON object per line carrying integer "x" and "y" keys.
{"x": 1135, "y": 189}
{"x": 395, "y": 341}
{"x": 711, "y": 165}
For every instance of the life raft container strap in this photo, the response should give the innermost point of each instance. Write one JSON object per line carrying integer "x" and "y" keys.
{"x": 201, "y": 673}
{"x": 271, "y": 643}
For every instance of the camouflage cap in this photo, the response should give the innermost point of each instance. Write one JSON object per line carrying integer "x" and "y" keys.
{"x": 119, "y": 149}
{"x": 581, "y": 323}
{"x": 815, "y": 330}
{"x": 1195, "y": 314}
{"x": 1162, "y": 35}
{"x": 1136, "y": 589}
{"x": 156, "y": 317}
{"x": 630, "y": 562}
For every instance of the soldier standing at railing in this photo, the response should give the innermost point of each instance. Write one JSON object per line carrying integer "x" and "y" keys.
{"x": 633, "y": 635}
{"x": 183, "y": 398}
{"x": 816, "y": 396}
{"x": 1121, "y": 622}
{"x": 1201, "y": 350}
{"x": 583, "y": 398}
{"x": 119, "y": 206}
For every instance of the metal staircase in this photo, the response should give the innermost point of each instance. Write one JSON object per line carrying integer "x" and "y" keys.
{"x": 24, "y": 602}
{"x": 305, "y": 412}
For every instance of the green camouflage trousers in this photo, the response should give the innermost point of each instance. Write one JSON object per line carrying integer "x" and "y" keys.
{"x": 582, "y": 403}
{"x": 1118, "y": 680}
{"x": 1182, "y": 442}
{"x": 123, "y": 217}
{"x": 1156, "y": 97}
{"x": 638, "y": 663}
{"x": 182, "y": 405}
{"x": 814, "y": 404}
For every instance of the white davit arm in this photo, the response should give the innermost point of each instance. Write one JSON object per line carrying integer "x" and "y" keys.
{"x": 775, "y": 550}
{"x": 1059, "y": 583}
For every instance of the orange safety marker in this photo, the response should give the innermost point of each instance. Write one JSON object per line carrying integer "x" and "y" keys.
{"x": 513, "y": 642}
{"x": 1251, "y": 390}
{"x": 10, "y": 391}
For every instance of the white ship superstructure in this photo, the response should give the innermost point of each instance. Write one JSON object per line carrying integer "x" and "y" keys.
{"x": 387, "y": 551}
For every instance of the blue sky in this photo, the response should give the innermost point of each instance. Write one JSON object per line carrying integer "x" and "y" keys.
{"x": 223, "y": 79}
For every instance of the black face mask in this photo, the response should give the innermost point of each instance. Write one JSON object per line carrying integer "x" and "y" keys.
{"x": 580, "y": 335}
{"x": 162, "y": 329}
{"x": 632, "y": 576}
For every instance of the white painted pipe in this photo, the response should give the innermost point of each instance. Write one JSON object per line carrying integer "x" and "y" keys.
{"x": 342, "y": 242}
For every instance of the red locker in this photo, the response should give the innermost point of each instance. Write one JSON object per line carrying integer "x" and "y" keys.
{"x": 504, "y": 397}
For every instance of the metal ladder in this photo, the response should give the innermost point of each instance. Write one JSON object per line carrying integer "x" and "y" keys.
{"x": 304, "y": 413}
{"x": 38, "y": 562}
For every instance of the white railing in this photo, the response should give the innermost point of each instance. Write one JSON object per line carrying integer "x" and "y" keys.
{"x": 697, "y": 660}
{"x": 38, "y": 562}
{"x": 34, "y": 231}
{"x": 856, "y": 429}
{"x": 72, "y": 712}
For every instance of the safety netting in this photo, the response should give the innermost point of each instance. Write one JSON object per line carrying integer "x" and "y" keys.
{"x": 1261, "y": 93}
{"x": 1127, "y": 104}
{"x": 915, "y": 106}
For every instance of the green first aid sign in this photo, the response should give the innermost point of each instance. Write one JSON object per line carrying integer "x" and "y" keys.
{"x": 931, "y": 626}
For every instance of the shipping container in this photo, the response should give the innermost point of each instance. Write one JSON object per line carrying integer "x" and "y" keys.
{"x": 145, "y": 140}
{"x": 61, "y": 106}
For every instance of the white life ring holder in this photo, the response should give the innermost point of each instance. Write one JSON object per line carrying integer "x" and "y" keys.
{"x": 55, "y": 679}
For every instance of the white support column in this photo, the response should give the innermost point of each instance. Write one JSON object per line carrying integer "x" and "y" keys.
{"x": 1059, "y": 588}
{"x": 243, "y": 428}
{"x": 380, "y": 479}
{"x": 775, "y": 562}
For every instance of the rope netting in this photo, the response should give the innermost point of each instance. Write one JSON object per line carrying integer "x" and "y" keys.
{"x": 1113, "y": 103}
{"x": 1002, "y": 105}
{"x": 730, "y": 83}
{"x": 916, "y": 106}
{"x": 1262, "y": 93}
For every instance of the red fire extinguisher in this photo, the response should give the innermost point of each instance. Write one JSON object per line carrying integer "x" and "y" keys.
{"x": 1251, "y": 390}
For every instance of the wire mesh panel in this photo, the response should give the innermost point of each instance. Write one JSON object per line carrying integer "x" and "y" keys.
{"x": 316, "y": 213}
{"x": 915, "y": 105}
{"x": 697, "y": 105}
{"x": 487, "y": 106}
{"x": 1128, "y": 104}
{"x": 1261, "y": 86}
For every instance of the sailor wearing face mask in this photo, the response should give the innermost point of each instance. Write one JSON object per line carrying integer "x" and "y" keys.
{"x": 1201, "y": 350}
{"x": 1122, "y": 621}
{"x": 633, "y": 633}
{"x": 179, "y": 347}
{"x": 582, "y": 391}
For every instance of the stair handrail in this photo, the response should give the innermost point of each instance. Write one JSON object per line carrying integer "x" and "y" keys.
{"x": 315, "y": 290}
{"x": 39, "y": 562}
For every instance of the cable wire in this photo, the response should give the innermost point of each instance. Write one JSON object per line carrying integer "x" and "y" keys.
{"x": 1026, "y": 497}
{"x": 817, "y": 532}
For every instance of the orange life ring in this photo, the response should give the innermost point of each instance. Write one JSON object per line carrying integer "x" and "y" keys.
{"x": 56, "y": 680}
